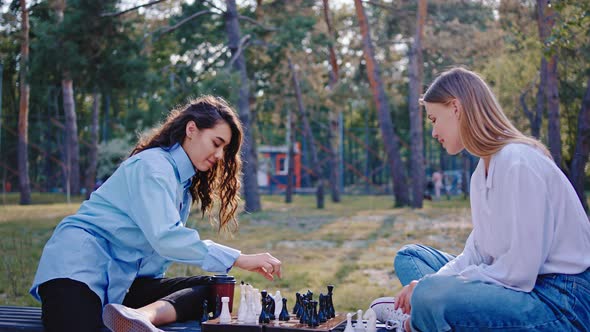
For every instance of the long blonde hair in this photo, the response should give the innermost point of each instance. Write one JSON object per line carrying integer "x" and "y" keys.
{"x": 483, "y": 126}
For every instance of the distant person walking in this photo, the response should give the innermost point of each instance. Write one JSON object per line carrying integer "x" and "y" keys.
{"x": 437, "y": 179}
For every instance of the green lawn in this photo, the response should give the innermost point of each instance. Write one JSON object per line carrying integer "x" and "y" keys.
{"x": 351, "y": 244}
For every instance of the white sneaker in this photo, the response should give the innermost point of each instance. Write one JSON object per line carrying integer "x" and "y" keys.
{"x": 119, "y": 318}
{"x": 386, "y": 313}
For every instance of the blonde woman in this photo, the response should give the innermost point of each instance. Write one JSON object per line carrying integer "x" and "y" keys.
{"x": 106, "y": 263}
{"x": 525, "y": 266}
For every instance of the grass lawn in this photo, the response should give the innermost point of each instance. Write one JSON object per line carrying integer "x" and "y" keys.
{"x": 350, "y": 244}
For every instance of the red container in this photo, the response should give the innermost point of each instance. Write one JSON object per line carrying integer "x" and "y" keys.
{"x": 222, "y": 285}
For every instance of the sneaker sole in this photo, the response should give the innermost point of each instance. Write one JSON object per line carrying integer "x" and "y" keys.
{"x": 118, "y": 321}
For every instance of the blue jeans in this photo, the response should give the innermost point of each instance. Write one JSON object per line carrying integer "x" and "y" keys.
{"x": 559, "y": 302}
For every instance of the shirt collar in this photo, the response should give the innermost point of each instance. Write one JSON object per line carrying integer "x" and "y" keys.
{"x": 185, "y": 167}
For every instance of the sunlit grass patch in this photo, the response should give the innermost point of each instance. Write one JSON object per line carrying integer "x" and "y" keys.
{"x": 350, "y": 245}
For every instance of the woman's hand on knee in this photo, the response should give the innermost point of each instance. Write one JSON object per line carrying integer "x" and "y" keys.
{"x": 403, "y": 298}
{"x": 264, "y": 263}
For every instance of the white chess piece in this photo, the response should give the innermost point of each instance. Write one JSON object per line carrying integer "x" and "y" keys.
{"x": 258, "y": 302}
{"x": 371, "y": 318}
{"x": 349, "y": 327}
{"x": 252, "y": 316}
{"x": 243, "y": 305}
{"x": 278, "y": 304}
{"x": 225, "y": 316}
{"x": 359, "y": 327}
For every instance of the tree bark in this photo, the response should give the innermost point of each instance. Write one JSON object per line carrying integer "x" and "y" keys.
{"x": 545, "y": 22}
{"x": 415, "y": 70}
{"x": 249, "y": 155}
{"x": 308, "y": 134}
{"x": 540, "y": 105}
{"x": 93, "y": 150}
{"x": 291, "y": 156}
{"x": 534, "y": 118}
{"x": 23, "y": 114}
{"x": 552, "y": 93}
{"x": 582, "y": 149}
{"x": 390, "y": 138}
{"x": 333, "y": 134}
{"x": 72, "y": 145}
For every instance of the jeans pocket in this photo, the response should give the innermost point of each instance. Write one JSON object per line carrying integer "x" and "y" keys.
{"x": 580, "y": 303}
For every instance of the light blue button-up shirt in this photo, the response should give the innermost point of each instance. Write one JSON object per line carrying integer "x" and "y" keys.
{"x": 132, "y": 226}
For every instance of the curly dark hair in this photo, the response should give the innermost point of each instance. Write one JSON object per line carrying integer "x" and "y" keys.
{"x": 222, "y": 181}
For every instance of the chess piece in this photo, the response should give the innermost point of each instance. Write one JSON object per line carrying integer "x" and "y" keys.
{"x": 360, "y": 326}
{"x": 371, "y": 318}
{"x": 331, "y": 313}
{"x": 257, "y": 301}
{"x": 322, "y": 311}
{"x": 205, "y": 316}
{"x": 263, "y": 318}
{"x": 303, "y": 309}
{"x": 224, "y": 316}
{"x": 296, "y": 306}
{"x": 270, "y": 307}
{"x": 217, "y": 310}
{"x": 284, "y": 315}
{"x": 278, "y": 304}
{"x": 242, "y": 312}
{"x": 349, "y": 327}
{"x": 313, "y": 313}
{"x": 251, "y": 314}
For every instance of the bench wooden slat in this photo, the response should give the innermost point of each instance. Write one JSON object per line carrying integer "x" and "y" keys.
{"x": 20, "y": 319}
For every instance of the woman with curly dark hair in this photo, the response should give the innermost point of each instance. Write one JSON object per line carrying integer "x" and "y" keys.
{"x": 109, "y": 258}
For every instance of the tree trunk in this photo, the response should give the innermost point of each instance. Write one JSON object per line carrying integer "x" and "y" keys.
{"x": 249, "y": 155}
{"x": 534, "y": 118}
{"x": 580, "y": 159}
{"x": 545, "y": 22}
{"x": 540, "y": 105}
{"x": 23, "y": 114}
{"x": 552, "y": 93}
{"x": 291, "y": 156}
{"x": 390, "y": 138}
{"x": 415, "y": 69}
{"x": 308, "y": 134}
{"x": 72, "y": 146}
{"x": 333, "y": 134}
{"x": 93, "y": 150}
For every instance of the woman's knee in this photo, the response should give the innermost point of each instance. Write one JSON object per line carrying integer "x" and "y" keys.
{"x": 404, "y": 254}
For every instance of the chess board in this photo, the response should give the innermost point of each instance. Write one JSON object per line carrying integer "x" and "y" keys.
{"x": 337, "y": 323}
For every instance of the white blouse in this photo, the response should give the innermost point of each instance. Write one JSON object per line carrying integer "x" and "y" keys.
{"x": 527, "y": 220}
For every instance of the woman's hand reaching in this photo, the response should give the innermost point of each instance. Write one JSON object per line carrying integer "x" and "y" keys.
{"x": 264, "y": 263}
{"x": 403, "y": 298}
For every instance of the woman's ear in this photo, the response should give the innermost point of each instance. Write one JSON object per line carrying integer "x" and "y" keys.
{"x": 191, "y": 129}
{"x": 457, "y": 108}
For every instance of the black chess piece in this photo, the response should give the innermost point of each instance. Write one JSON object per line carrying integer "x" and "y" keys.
{"x": 205, "y": 316}
{"x": 313, "y": 312}
{"x": 301, "y": 308}
{"x": 284, "y": 315}
{"x": 331, "y": 313}
{"x": 296, "y": 306}
{"x": 322, "y": 310}
{"x": 263, "y": 318}
{"x": 309, "y": 295}
{"x": 217, "y": 310}
{"x": 304, "y": 310}
{"x": 270, "y": 307}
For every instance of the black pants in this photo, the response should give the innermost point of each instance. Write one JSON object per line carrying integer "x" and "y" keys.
{"x": 70, "y": 305}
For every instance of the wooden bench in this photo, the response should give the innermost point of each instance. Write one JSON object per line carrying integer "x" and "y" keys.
{"x": 19, "y": 319}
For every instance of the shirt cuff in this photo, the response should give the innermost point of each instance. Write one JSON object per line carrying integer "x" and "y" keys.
{"x": 219, "y": 258}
